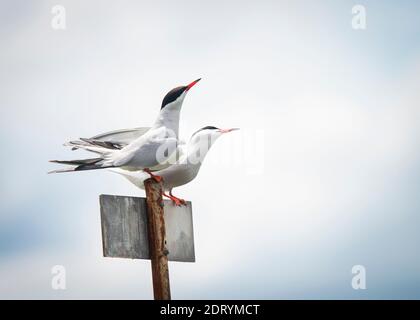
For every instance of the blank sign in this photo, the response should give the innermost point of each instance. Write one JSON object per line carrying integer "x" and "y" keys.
{"x": 124, "y": 229}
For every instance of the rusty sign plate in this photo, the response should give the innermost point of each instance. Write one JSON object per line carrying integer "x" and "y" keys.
{"x": 124, "y": 228}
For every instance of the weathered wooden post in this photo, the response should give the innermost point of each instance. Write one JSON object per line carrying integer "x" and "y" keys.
{"x": 157, "y": 240}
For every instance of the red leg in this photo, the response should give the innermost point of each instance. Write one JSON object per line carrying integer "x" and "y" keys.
{"x": 175, "y": 200}
{"x": 182, "y": 201}
{"x": 154, "y": 177}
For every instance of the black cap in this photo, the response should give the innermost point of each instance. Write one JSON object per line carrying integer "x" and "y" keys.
{"x": 172, "y": 95}
{"x": 205, "y": 128}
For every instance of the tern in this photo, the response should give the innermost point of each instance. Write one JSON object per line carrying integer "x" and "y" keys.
{"x": 145, "y": 149}
{"x": 186, "y": 168}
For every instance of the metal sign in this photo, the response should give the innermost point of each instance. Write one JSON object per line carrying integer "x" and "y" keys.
{"x": 125, "y": 229}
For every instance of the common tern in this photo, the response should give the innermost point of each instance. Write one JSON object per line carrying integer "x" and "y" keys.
{"x": 186, "y": 168}
{"x": 147, "y": 149}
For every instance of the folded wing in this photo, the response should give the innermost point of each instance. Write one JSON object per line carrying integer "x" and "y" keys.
{"x": 117, "y": 139}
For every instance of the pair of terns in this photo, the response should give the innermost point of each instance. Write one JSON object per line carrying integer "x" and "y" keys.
{"x": 155, "y": 152}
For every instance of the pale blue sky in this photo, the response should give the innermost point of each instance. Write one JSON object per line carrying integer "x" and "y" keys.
{"x": 338, "y": 109}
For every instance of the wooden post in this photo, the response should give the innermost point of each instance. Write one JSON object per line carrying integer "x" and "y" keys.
{"x": 157, "y": 240}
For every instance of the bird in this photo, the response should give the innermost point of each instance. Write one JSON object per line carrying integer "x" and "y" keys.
{"x": 146, "y": 149}
{"x": 186, "y": 168}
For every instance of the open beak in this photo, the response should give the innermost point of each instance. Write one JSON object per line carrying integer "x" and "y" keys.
{"x": 192, "y": 84}
{"x": 228, "y": 130}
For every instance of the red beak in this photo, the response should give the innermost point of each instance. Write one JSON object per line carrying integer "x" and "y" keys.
{"x": 192, "y": 84}
{"x": 227, "y": 130}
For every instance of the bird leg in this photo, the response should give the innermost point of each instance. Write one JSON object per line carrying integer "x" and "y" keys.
{"x": 154, "y": 177}
{"x": 179, "y": 199}
{"x": 175, "y": 200}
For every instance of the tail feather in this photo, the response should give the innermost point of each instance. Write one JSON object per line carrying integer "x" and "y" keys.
{"x": 83, "y": 164}
{"x": 77, "y": 162}
{"x": 71, "y": 169}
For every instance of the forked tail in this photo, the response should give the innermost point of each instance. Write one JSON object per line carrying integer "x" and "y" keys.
{"x": 80, "y": 165}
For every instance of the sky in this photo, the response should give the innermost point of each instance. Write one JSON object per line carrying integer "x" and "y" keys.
{"x": 323, "y": 176}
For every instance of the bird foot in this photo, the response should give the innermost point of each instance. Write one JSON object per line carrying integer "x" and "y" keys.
{"x": 153, "y": 176}
{"x": 177, "y": 201}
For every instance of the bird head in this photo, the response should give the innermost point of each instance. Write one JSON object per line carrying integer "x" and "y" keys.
{"x": 202, "y": 140}
{"x": 176, "y": 96}
{"x": 209, "y": 134}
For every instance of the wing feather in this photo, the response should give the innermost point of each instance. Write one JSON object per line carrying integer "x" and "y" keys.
{"x": 116, "y": 139}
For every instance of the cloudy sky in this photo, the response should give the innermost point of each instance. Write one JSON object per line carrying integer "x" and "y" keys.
{"x": 324, "y": 174}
